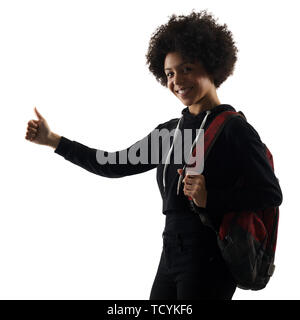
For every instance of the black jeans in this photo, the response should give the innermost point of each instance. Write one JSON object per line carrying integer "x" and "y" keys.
{"x": 187, "y": 272}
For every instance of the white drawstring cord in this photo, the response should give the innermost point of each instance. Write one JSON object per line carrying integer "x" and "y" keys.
{"x": 180, "y": 178}
{"x": 169, "y": 153}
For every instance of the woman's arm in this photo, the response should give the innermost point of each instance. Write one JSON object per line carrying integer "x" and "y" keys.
{"x": 107, "y": 164}
{"x": 261, "y": 188}
{"x": 54, "y": 140}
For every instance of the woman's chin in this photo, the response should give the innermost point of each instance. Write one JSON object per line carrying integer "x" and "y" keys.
{"x": 186, "y": 102}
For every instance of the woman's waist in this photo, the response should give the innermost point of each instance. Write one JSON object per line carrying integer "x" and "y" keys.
{"x": 184, "y": 222}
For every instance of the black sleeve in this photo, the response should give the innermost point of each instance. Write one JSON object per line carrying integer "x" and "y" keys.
{"x": 118, "y": 164}
{"x": 261, "y": 187}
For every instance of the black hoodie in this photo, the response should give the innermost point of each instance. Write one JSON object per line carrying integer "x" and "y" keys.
{"x": 238, "y": 151}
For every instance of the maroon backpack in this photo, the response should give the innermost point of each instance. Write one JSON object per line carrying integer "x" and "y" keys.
{"x": 247, "y": 239}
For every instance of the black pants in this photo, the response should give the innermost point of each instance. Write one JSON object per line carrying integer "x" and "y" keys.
{"x": 187, "y": 272}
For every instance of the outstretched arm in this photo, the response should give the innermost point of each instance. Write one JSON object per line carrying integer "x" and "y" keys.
{"x": 118, "y": 164}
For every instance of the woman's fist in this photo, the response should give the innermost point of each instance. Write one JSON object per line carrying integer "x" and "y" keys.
{"x": 195, "y": 188}
{"x": 38, "y": 131}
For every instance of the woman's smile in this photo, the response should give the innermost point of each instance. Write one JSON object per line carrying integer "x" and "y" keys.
{"x": 184, "y": 92}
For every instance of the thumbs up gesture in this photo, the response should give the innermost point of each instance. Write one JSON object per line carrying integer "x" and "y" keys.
{"x": 38, "y": 131}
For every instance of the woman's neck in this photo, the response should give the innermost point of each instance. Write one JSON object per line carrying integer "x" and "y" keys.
{"x": 195, "y": 109}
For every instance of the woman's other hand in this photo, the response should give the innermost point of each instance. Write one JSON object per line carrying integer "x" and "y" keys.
{"x": 195, "y": 188}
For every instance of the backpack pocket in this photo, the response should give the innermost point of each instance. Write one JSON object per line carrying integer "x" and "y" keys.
{"x": 242, "y": 240}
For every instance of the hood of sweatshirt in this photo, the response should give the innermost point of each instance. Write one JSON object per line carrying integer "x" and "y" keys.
{"x": 191, "y": 118}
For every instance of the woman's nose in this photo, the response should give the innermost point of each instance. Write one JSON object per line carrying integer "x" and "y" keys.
{"x": 178, "y": 79}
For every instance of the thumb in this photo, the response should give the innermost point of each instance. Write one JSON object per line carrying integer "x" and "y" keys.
{"x": 179, "y": 171}
{"x": 40, "y": 117}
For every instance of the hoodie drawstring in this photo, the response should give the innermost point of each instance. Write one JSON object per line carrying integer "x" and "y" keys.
{"x": 170, "y": 151}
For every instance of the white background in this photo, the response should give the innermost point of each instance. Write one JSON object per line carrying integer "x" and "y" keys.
{"x": 68, "y": 234}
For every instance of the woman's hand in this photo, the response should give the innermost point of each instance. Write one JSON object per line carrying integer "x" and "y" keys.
{"x": 38, "y": 131}
{"x": 195, "y": 187}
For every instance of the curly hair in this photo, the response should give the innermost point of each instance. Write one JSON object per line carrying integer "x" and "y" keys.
{"x": 196, "y": 37}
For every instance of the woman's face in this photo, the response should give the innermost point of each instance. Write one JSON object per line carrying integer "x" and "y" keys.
{"x": 189, "y": 76}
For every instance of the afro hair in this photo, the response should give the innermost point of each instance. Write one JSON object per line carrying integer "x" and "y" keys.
{"x": 196, "y": 37}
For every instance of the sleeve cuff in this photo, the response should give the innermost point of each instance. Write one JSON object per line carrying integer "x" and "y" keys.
{"x": 63, "y": 147}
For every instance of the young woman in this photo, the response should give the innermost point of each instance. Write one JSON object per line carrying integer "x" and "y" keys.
{"x": 192, "y": 56}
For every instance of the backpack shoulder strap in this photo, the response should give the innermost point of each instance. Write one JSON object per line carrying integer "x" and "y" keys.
{"x": 210, "y": 136}
{"x": 216, "y": 127}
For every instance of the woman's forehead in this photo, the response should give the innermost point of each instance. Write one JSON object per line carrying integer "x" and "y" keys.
{"x": 175, "y": 60}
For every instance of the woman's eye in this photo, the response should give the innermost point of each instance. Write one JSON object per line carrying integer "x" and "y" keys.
{"x": 185, "y": 69}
